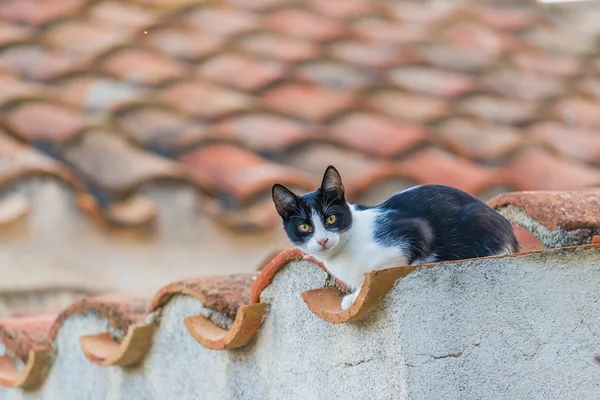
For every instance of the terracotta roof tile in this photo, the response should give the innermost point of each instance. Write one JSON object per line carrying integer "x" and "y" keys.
{"x": 126, "y": 17}
{"x": 425, "y": 13}
{"x": 475, "y": 36}
{"x": 38, "y": 63}
{"x": 162, "y": 130}
{"x": 222, "y": 21}
{"x": 523, "y": 85}
{"x": 110, "y": 162}
{"x": 527, "y": 240}
{"x": 183, "y": 42}
{"x": 562, "y": 66}
{"x": 279, "y": 46}
{"x": 409, "y": 106}
{"x": 499, "y": 17}
{"x": 335, "y": 75}
{"x": 45, "y": 10}
{"x": 142, "y": 66}
{"x": 455, "y": 58}
{"x": 260, "y": 5}
{"x": 305, "y": 25}
{"x": 21, "y": 334}
{"x": 232, "y": 171}
{"x": 14, "y": 88}
{"x": 380, "y": 30}
{"x": 480, "y": 140}
{"x": 439, "y": 167}
{"x": 377, "y": 135}
{"x": 11, "y": 33}
{"x": 205, "y": 99}
{"x": 432, "y": 81}
{"x": 536, "y": 169}
{"x": 304, "y": 101}
{"x": 341, "y": 8}
{"x": 501, "y": 110}
{"x": 93, "y": 93}
{"x": 83, "y": 38}
{"x": 277, "y": 133}
{"x": 556, "y": 40}
{"x": 372, "y": 55}
{"x": 45, "y": 121}
{"x": 167, "y": 5}
{"x": 13, "y": 208}
{"x": 241, "y": 72}
{"x": 578, "y": 111}
{"x": 578, "y": 143}
{"x": 590, "y": 87}
{"x": 222, "y": 293}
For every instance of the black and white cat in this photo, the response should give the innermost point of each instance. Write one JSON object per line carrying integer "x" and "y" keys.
{"x": 422, "y": 224}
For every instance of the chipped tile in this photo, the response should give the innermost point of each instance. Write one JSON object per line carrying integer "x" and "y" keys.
{"x": 409, "y": 106}
{"x": 500, "y": 110}
{"x": 432, "y": 82}
{"x": 305, "y": 25}
{"x": 21, "y": 334}
{"x": 241, "y": 72}
{"x": 304, "y": 101}
{"x": 438, "y": 167}
{"x": 578, "y": 143}
{"x": 162, "y": 130}
{"x": 205, "y": 99}
{"x": 45, "y": 121}
{"x": 534, "y": 169}
{"x": 232, "y": 171}
{"x": 377, "y": 135}
{"x": 143, "y": 67}
{"x": 264, "y": 132}
{"x": 45, "y": 10}
{"x": 479, "y": 140}
{"x": 280, "y": 47}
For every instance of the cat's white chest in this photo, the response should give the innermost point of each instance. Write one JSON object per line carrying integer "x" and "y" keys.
{"x": 362, "y": 253}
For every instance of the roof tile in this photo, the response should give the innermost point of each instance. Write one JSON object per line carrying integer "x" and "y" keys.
{"x": 305, "y": 25}
{"x": 228, "y": 170}
{"x": 11, "y": 33}
{"x": 372, "y": 55}
{"x": 438, "y": 167}
{"x": 335, "y": 76}
{"x": 556, "y": 40}
{"x": 142, "y": 66}
{"x": 377, "y": 135}
{"x": 341, "y": 8}
{"x": 241, "y": 72}
{"x": 477, "y": 37}
{"x": 304, "y": 101}
{"x": 126, "y": 17}
{"x": 35, "y": 62}
{"x": 578, "y": 143}
{"x": 527, "y": 240}
{"x": 45, "y": 10}
{"x": 279, "y": 46}
{"x": 21, "y": 334}
{"x": 260, "y": 5}
{"x": 222, "y": 21}
{"x": 503, "y": 18}
{"x": 497, "y": 109}
{"x": 578, "y": 111}
{"x": 423, "y": 13}
{"x": 480, "y": 140}
{"x": 276, "y": 133}
{"x": 562, "y": 66}
{"x": 162, "y": 130}
{"x": 409, "y": 106}
{"x": 523, "y": 85}
{"x": 535, "y": 169}
{"x": 111, "y": 163}
{"x": 13, "y": 208}
{"x": 84, "y": 38}
{"x": 205, "y": 99}
{"x": 14, "y": 88}
{"x": 380, "y": 30}
{"x": 45, "y": 121}
{"x": 183, "y": 42}
{"x": 564, "y": 210}
{"x": 93, "y": 93}
{"x": 432, "y": 82}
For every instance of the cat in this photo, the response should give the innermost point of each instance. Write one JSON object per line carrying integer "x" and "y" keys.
{"x": 422, "y": 224}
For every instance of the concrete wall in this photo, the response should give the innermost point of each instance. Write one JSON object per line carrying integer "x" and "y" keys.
{"x": 522, "y": 327}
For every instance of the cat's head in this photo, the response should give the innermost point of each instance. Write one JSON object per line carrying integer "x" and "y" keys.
{"x": 316, "y": 222}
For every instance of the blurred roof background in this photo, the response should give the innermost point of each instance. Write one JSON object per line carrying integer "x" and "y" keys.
{"x": 139, "y": 139}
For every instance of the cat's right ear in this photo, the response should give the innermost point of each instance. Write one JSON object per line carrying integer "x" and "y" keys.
{"x": 286, "y": 202}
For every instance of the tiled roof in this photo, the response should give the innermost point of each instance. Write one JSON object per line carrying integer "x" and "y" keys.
{"x": 231, "y": 306}
{"x": 229, "y": 96}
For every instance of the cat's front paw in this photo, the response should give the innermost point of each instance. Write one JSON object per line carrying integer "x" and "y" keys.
{"x": 348, "y": 300}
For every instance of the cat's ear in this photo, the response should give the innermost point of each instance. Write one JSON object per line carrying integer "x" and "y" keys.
{"x": 332, "y": 186}
{"x": 286, "y": 202}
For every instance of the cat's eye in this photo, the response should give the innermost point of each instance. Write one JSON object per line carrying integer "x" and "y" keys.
{"x": 304, "y": 228}
{"x": 330, "y": 220}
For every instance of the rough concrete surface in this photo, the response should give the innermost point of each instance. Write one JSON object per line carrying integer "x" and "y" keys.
{"x": 522, "y": 327}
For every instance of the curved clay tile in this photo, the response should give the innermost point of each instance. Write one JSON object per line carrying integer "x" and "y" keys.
{"x": 18, "y": 160}
{"x": 241, "y": 173}
{"x": 24, "y": 338}
{"x": 226, "y": 294}
{"x": 13, "y": 207}
{"x": 125, "y": 314}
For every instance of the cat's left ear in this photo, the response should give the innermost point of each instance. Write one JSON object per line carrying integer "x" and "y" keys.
{"x": 332, "y": 186}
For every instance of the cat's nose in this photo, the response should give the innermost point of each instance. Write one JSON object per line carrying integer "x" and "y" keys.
{"x": 322, "y": 242}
